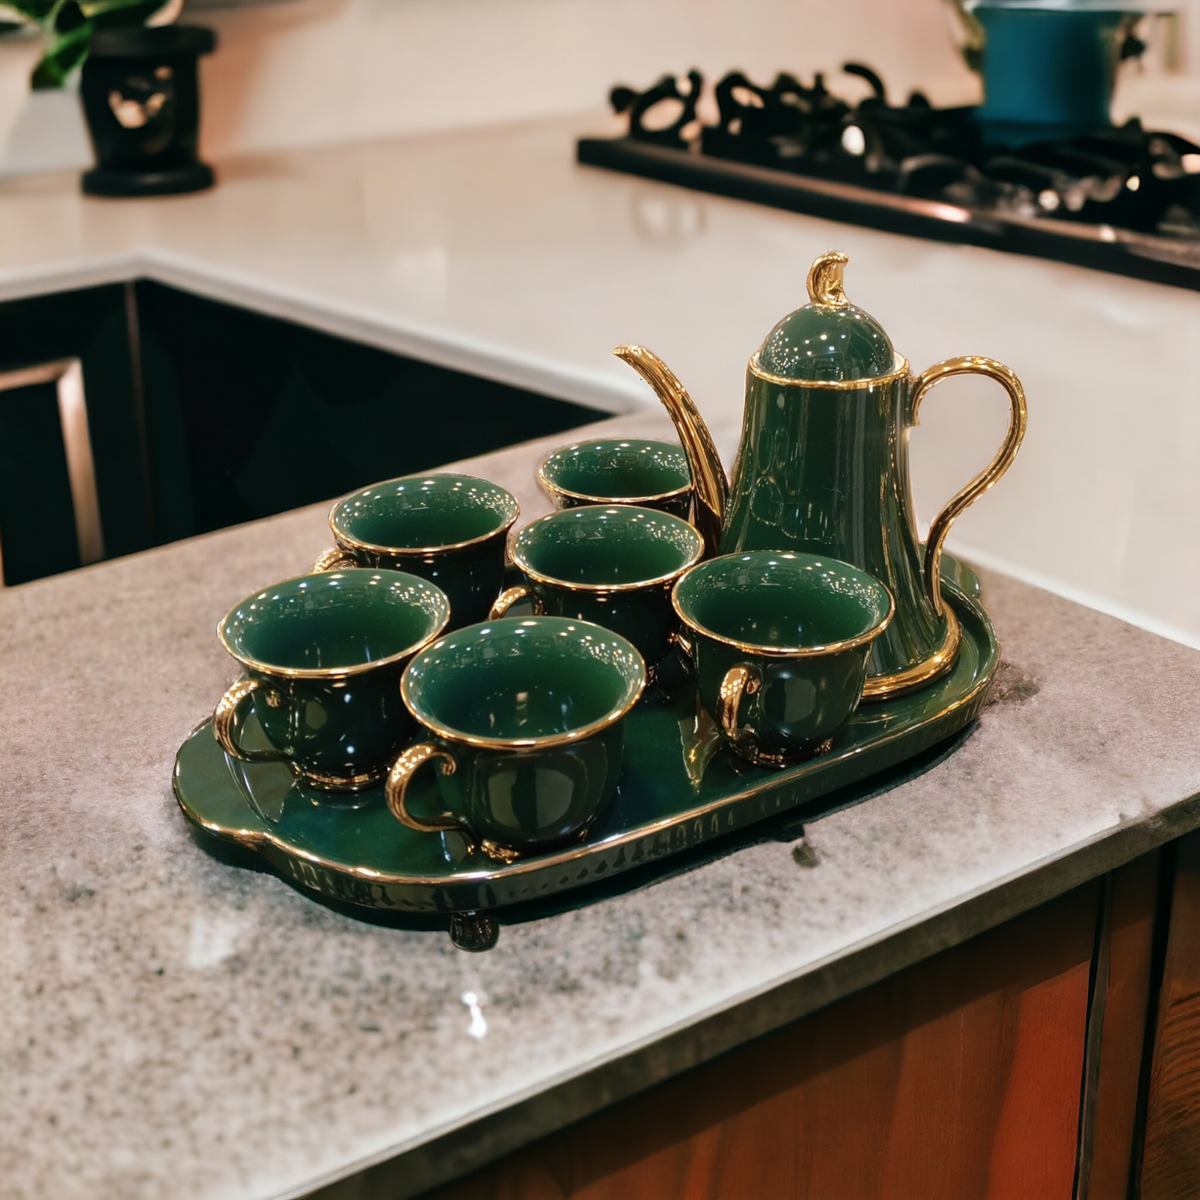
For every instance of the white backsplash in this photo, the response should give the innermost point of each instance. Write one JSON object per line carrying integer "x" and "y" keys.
{"x": 315, "y": 72}
{"x": 310, "y": 72}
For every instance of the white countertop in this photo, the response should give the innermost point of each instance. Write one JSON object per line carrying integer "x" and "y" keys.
{"x": 492, "y": 252}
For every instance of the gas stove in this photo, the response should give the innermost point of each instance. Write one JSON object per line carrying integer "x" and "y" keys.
{"x": 1121, "y": 199}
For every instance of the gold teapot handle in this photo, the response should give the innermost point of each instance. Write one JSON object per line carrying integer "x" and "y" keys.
{"x": 968, "y": 364}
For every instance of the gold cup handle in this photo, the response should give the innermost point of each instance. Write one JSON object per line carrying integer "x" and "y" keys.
{"x": 739, "y": 681}
{"x": 334, "y": 559}
{"x": 968, "y": 364}
{"x": 511, "y": 596}
{"x": 222, "y": 724}
{"x": 681, "y": 639}
{"x": 400, "y": 776}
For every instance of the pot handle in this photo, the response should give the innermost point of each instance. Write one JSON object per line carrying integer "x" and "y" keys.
{"x": 739, "y": 681}
{"x": 222, "y": 723}
{"x": 968, "y": 364}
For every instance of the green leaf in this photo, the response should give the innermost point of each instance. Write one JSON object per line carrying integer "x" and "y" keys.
{"x": 31, "y": 11}
{"x": 68, "y": 26}
{"x": 64, "y": 53}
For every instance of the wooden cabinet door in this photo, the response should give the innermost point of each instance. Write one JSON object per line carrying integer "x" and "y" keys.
{"x": 1171, "y": 1157}
{"x": 38, "y": 534}
{"x": 958, "y": 1078}
{"x": 1117, "y": 1030}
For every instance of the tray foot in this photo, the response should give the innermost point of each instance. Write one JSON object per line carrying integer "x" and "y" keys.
{"x": 474, "y": 931}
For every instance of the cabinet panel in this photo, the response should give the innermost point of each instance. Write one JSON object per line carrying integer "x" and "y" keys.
{"x": 203, "y": 415}
{"x": 1171, "y": 1157}
{"x": 37, "y": 523}
{"x": 957, "y": 1078}
{"x": 1133, "y": 898}
{"x": 250, "y": 416}
{"x": 39, "y": 538}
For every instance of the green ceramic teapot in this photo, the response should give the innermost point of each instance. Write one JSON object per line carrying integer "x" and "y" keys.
{"x": 823, "y": 464}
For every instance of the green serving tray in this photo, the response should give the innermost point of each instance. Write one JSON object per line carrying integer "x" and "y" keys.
{"x": 679, "y": 788}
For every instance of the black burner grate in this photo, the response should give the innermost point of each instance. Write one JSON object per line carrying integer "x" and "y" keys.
{"x": 1121, "y": 199}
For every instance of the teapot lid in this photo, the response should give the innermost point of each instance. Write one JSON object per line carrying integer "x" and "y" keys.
{"x": 829, "y": 339}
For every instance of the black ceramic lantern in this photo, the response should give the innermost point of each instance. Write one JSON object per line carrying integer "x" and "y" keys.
{"x": 142, "y": 101}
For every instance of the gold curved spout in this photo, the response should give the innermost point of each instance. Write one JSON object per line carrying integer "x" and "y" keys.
{"x": 708, "y": 476}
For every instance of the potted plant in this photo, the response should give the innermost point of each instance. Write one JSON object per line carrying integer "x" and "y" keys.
{"x": 138, "y": 83}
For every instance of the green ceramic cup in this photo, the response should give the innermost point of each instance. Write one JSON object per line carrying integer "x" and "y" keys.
{"x": 779, "y": 646}
{"x": 449, "y": 529}
{"x": 323, "y": 655}
{"x": 526, "y": 718}
{"x": 619, "y": 471}
{"x": 614, "y": 566}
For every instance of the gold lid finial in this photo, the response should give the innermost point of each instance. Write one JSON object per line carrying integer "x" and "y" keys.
{"x": 825, "y": 279}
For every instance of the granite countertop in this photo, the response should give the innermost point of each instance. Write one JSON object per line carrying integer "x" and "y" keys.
{"x": 175, "y": 1026}
{"x": 491, "y": 251}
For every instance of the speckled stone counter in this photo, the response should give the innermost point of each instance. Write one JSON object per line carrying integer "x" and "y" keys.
{"x": 175, "y": 1026}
